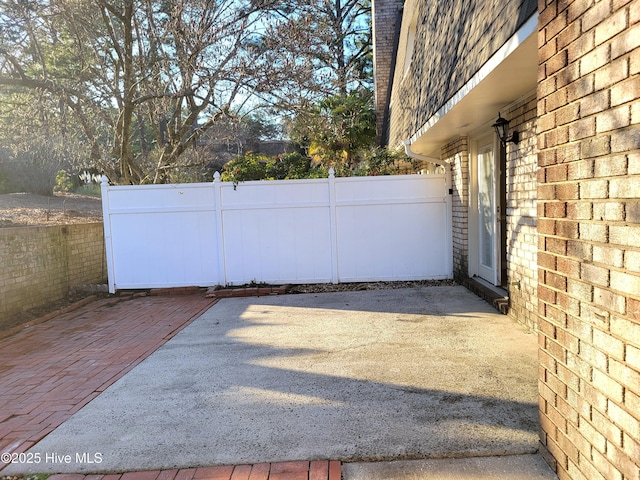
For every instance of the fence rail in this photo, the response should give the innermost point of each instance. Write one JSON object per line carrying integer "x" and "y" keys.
{"x": 285, "y": 231}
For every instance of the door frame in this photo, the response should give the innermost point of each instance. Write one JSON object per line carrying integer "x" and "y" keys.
{"x": 497, "y": 276}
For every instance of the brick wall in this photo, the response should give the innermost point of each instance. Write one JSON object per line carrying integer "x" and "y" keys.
{"x": 454, "y": 38}
{"x": 457, "y": 153}
{"x": 589, "y": 237}
{"x": 384, "y": 19}
{"x": 41, "y": 264}
{"x": 522, "y": 241}
{"x": 522, "y": 238}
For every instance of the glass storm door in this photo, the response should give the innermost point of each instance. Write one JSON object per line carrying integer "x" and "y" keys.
{"x": 487, "y": 214}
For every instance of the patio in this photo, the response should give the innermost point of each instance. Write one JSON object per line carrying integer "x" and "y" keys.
{"x": 375, "y": 375}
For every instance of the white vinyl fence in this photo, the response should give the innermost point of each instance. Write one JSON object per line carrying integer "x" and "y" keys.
{"x": 277, "y": 232}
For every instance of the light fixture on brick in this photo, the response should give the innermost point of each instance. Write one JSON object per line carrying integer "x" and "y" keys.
{"x": 502, "y": 130}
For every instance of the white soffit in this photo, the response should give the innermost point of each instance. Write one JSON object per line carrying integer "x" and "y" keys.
{"x": 508, "y": 75}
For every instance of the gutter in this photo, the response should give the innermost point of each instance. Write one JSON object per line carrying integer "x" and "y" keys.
{"x": 417, "y": 156}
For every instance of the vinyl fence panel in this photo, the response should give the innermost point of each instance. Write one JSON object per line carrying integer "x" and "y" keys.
{"x": 161, "y": 235}
{"x": 277, "y": 232}
{"x": 294, "y": 231}
{"x": 394, "y": 229}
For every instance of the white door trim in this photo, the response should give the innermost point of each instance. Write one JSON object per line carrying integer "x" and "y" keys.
{"x": 477, "y": 233}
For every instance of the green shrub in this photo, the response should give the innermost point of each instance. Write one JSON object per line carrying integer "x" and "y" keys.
{"x": 91, "y": 189}
{"x": 64, "y": 183}
{"x": 379, "y": 161}
{"x": 245, "y": 168}
{"x": 290, "y": 166}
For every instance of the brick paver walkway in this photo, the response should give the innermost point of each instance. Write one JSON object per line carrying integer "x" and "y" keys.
{"x": 50, "y": 370}
{"x": 314, "y": 470}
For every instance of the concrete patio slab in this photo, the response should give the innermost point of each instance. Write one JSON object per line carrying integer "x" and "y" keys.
{"x": 354, "y": 376}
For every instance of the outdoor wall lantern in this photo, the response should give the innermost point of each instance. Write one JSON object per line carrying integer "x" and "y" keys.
{"x": 502, "y": 130}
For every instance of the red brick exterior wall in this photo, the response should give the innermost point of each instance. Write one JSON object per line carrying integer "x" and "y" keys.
{"x": 385, "y": 16}
{"x": 589, "y": 237}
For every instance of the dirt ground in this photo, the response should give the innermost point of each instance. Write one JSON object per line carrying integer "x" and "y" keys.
{"x": 23, "y": 209}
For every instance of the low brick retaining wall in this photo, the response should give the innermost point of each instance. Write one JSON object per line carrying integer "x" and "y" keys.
{"x": 41, "y": 264}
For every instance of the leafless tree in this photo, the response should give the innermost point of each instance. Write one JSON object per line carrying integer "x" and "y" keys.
{"x": 143, "y": 79}
{"x": 320, "y": 48}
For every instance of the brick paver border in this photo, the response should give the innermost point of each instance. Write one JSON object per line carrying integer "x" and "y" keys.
{"x": 302, "y": 470}
{"x": 49, "y": 370}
